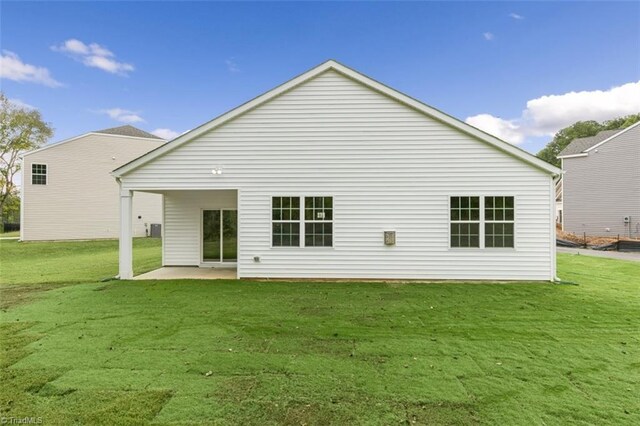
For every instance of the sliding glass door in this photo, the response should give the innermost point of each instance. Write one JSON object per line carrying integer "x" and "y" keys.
{"x": 219, "y": 235}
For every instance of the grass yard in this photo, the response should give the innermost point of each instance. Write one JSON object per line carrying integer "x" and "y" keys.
{"x": 9, "y": 234}
{"x": 241, "y": 352}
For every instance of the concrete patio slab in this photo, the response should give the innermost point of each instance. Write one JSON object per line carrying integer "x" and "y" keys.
{"x": 190, "y": 273}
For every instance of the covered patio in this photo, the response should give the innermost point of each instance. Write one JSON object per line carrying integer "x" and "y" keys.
{"x": 199, "y": 234}
{"x": 188, "y": 273}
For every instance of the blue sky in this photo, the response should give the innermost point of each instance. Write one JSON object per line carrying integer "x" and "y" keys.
{"x": 175, "y": 65}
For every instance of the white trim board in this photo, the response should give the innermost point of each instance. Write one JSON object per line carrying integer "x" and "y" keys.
{"x": 360, "y": 78}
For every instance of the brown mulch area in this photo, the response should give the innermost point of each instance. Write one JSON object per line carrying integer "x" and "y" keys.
{"x": 591, "y": 240}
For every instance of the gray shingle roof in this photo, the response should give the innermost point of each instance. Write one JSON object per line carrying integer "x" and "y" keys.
{"x": 128, "y": 131}
{"x": 582, "y": 144}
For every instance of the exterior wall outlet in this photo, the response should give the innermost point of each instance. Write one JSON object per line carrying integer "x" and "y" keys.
{"x": 256, "y": 259}
{"x": 389, "y": 238}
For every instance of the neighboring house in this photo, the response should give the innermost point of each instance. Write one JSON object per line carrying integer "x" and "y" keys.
{"x": 601, "y": 184}
{"x": 68, "y": 193}
{"x": 334, "y": 175}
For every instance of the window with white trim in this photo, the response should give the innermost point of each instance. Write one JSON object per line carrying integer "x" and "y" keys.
{"x": 499, "y": 221}
{"x": 465, "y": 222}
{"x": 489, "y": 226}
{"x": 285, "y": 218}
{"x": 312, "y": 228}
{"x": 38, "y": 174}
{"x": 318, "y": 221}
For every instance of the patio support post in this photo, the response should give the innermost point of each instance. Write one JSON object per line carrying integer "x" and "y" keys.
{"x": 126, "y": 237}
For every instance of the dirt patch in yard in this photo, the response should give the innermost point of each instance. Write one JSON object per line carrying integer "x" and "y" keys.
{"x": 21, "y": 294}
{"x": 591, "y": 240}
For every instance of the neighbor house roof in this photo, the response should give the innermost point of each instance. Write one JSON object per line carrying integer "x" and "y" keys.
{"x": 360, "y": 78}
{"x": 128, "y": 131}
{"x": 121, "y": 131}
{"x": 580, "y": 145}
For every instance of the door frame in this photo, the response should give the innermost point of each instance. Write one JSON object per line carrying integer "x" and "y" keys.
{"x": 212, "y": 263}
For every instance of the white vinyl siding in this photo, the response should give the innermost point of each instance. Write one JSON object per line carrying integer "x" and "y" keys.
{"x": 80, "y": 199}
{"x": 387, "y": 166}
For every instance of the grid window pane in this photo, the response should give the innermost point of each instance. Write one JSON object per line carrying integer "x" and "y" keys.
{"x": 465, "y": 208}
{"x": 285, "y": 230}
{"x": 465, "y": 221}
{"x": 498, "y": 234}
{"x": 318, "y": 208}
{"x": 465, "y": 235}
{"x": 38, "y": 174}
{"x": 499, "y": 209}
{"x": 318, "y": 234}
{"x": 285, "y": 208}
{"x": 286, "y": 234}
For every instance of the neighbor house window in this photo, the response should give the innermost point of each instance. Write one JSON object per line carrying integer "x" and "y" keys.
{"x": 285, "y": 216}
{"x": 302, "y": 221}
{"x": 498, "y": 221}
{"x": 38, "y": 174}
{"x": 491, "y": 226}
{"x": 318, "y": 221}
{"x": 465, "y": 221}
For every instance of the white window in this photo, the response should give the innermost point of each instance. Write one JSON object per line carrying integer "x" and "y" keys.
{"x": 38, "y": 174}
{"x": 465, "y": 221}
{"x": 285, "y": 218}
{"x": 492, "y": 226}
{"x": 313, "y": 228}
{"x": 499, "y": 221}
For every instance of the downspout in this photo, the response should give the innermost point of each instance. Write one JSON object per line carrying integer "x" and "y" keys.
{"x": 22, "y": 198}
{"x": 552, "y": 210}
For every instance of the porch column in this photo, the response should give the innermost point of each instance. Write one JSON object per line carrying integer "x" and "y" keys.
{"x": 126, "y": 241}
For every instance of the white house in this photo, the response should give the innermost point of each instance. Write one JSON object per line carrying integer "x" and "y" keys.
{"x": 335, "y": 175}
{"x": 67, "y": 191}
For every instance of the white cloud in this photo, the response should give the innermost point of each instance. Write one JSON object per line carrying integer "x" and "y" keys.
{"x": 516, "y": 16}
{"x": 94, "y": 55}
{"x": 166, "y": 134}
{"x": 12, "y": 68}
{"x": 503, "y": 129}
{"x": 18, "y": 103}
{"x": 123, "y": 115}
{"x": 545, "y": 115}
{"x": 232, "y": 66}
{"x": 488, "y": 36}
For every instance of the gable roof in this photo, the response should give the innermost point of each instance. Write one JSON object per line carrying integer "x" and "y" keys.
{"x": 128, "y": 130}
{"x": 360, "y": 78}
{"x": 580, "y": 145}
{"x": 122, "y": 131}
{"x": 584, "y": 145}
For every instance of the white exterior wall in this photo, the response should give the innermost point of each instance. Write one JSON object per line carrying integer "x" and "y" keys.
{"x": 387, "y": 166}
{"x": 80, "y": 199}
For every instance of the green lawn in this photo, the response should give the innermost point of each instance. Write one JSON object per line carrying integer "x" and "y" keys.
{"x": 10, "y": 234}
{"x": 241, "y": 352}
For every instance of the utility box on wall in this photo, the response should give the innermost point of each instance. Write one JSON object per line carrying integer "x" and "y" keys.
{"x": 156, "y": 230}
{"x": 389, "y": 238}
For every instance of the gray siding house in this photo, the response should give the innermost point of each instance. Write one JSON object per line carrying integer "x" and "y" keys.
{"x": 601, "y": 184}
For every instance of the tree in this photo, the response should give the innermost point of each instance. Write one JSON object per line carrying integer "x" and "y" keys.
{"x": 581, "y": 129}
{"x": 21, "y": 130}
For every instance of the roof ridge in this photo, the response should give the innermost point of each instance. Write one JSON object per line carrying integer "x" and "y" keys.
{"x": 127, "y": 130}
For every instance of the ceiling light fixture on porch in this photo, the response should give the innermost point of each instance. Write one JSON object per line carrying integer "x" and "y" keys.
{"x": 216, "y": 171}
